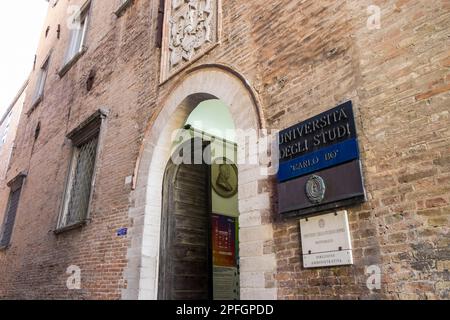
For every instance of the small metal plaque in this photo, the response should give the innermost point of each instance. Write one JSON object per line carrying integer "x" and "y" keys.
{"x": 122, "y": 232}
{"x": 315, "y": 189}
{"x": 326, "y": 240}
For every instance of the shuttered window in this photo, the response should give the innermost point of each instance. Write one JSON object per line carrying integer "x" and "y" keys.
{"x": 10, "y": 216}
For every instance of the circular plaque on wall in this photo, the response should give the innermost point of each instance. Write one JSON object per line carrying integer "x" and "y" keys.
{"x": 224, "y": 177}
{"x": 315, "y": 189}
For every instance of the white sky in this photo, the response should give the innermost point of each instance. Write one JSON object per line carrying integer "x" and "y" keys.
{"x": 21, "y": 22}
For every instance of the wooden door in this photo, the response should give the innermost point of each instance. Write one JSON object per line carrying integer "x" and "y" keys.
{"x": 185, "y": 267}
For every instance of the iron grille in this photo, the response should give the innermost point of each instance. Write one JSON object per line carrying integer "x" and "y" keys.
{"x": 80, "y": 183}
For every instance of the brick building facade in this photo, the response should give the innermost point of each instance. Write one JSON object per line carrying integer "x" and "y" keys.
{"x": 274, "y": 65}
{"x": 8, "y": 129}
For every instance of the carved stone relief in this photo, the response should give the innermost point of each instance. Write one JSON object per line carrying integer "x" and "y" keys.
{"x": 191, "y": 28}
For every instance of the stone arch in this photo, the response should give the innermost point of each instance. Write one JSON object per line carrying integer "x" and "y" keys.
{"x": 200, "y": 84}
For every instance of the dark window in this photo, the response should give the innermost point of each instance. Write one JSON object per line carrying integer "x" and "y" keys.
{"x": 11, "y": 210}
{"x": 160, "y": 23}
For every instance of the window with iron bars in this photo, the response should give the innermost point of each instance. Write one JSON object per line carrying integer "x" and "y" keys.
{"x": 80, "y": 181}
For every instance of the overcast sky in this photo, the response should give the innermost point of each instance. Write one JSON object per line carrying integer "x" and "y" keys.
{"x": 21, "y": 22}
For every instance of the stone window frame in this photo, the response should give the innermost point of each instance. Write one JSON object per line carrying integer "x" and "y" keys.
{"x": 93, "y": 127}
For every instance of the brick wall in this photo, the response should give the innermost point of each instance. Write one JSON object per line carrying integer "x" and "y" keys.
{"x": 398, "y": 78}
{"x": 301, "y": 58}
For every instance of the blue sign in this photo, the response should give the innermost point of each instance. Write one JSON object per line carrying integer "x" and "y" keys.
{"x": 324, "y": 158}
{"x": 329, "y": 128}
{"x": 122, "y": 232}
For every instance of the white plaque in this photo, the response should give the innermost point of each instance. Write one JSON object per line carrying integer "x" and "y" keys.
{"x": 326, "y": 240}
{"x": 225, "y": 283}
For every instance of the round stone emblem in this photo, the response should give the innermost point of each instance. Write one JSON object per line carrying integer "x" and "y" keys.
{"x": 315, "y": 189}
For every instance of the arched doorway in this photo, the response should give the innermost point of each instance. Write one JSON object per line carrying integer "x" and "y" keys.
{"x": 143, "y": 261}
{"x": 199, "y": 243}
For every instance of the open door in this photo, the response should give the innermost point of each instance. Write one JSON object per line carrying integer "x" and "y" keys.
{"x": 185, "y": 258}
{"x": 199, "y": 258}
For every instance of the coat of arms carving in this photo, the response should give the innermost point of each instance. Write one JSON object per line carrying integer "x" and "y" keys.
{"x": 191, "y": 28}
